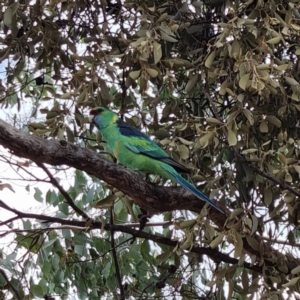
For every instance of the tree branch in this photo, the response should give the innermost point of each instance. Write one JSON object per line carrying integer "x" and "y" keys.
{"x": 12, "y": 288}
{"x": 242, "y": 159}
{"x": 63, "y": 192}
{"x": 115, "y": 257}
{"x": 149, "y": 197}
{"x": 53, "y": 152}
{"x": 266, "y": 246}
{"x": 282, "y": 184}
{"x": 212, "y": 253}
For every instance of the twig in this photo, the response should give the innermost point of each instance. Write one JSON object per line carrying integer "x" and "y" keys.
{"x": 5, "y": 232}
{"x": 43, "y": 217}
{"x": 167, "y": 223}
{"x": 11, "y": 163}
{"x": 283, "y": 185}
{"x": 280, "y": 242}
{"x": 63, "y": 192}
{"x": 114, "y": 253}
{"x": 241, "y": 158}
{"x": 212, "y": 253}
{"x": 10, "y": 285}
{"x": 8, "y": 221}
{"x": 144, "y": 290}
{"x": 102, "y": 255}
{"x": 213, "y": 107}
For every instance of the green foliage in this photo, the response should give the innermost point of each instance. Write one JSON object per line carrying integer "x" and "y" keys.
{"x": 38, "y": 195}
{"x": 216, "y": 83}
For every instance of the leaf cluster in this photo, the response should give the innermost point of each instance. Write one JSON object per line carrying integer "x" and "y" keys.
{"x": 216, "y": 84}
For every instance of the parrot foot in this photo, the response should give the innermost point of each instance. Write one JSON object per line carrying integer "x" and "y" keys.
{"x": 143, "y": 219}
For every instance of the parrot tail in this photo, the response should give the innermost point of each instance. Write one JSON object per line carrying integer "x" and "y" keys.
{"x": 191, "y": 188}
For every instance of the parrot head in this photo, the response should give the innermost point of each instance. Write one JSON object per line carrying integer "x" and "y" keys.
{"x": 103, "y": 117}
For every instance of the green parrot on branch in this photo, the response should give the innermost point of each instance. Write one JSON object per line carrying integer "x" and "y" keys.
{"x": 135, "y": 150}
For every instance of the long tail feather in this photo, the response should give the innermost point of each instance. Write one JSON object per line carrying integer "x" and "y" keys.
{"x": 190, "y": 187}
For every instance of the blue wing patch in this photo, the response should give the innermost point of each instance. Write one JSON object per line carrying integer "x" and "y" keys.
{"x": 130, "y": 131}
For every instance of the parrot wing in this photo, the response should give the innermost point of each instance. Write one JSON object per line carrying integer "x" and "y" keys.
{"x": 139, "y": 143}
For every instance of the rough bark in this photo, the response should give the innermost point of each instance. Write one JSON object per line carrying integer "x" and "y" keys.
{"x": 53, "y": 152}
{"x": 150, "y": 197}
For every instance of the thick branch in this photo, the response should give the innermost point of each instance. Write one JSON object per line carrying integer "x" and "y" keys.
{"x": 148, "y": 196}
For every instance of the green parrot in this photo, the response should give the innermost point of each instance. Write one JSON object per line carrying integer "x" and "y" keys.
{"x": 135, "y": 150}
